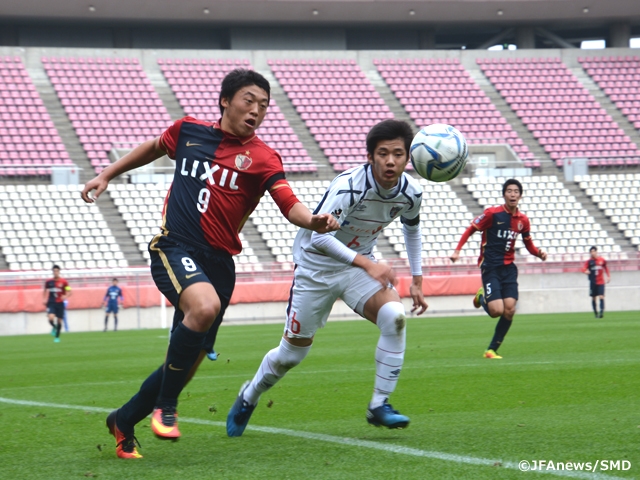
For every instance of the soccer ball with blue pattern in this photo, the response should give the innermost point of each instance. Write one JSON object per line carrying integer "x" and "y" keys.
{"x": 439, "y": 152}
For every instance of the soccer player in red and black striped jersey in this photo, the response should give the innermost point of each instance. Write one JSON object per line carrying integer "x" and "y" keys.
{"x": 500, "y": 227}
{"x": 222, "y": 171}
{"x": 598, "y": 271}
{"x": 56, "y": 291}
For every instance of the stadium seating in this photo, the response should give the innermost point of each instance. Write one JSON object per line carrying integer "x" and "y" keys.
{"x": 560, "y": 112}
{"x": 441, "y": 91}
{"x": 337, "y": 103}
{"x": 196, "y": 86}
{"x": 618, "y": 196}
{"x": 443, "y": 219}
{"x": 29, "y": 141}
{"x": 110, "y": 102}
{"x": 559, "y": 223}
{"x": 619, "y": 78}
{"x": 45, "y": 224}
{"x": 141, "y": 208}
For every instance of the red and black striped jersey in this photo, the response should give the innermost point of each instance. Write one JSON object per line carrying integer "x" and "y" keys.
{"x": 500, "y": 229}
{"x": 56, "y": 288}
{"x": 596, "y": 268}
{"x": 218, "y": 181}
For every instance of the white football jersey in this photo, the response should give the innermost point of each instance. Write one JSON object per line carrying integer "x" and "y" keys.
{"x": 362, "y": 209}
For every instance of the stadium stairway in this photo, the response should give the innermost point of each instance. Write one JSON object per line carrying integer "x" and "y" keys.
{"x": 62, "y": 123}
{"x": 599, "y": 216}
{"x": 120, "y": 231}
{"x": 467, "y": 198}
{"x": 608, "y": 105}
{"x": 507, "y": 112}
{"x": 325, "y": 170}
{"x": 399, "y": 112}
{"x": 163, "y": 90}
{"x": 4, "y": 266}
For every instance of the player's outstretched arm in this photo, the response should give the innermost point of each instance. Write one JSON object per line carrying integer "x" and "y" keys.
{"x": 143, "y": 154}
{"x": 300, "y": 216}
{"x": 471, "y": 229}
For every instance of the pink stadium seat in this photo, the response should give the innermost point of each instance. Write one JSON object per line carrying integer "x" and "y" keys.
{"x": 349, "y": 104}
{"x": 554, "y": 114}
{"x": 429, "y": 95}
{"x": 97, "y": 92}
{"x": 180, "y": 75}
{"x": 23, "y": 113}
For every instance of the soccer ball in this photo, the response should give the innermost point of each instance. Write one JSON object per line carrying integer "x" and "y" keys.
{"x": 439, "y": 152}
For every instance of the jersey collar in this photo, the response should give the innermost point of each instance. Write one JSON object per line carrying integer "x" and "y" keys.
{"x": 242, "y": 140}
{"x": 517, "y": 214}
{"x": 386, "y": 194}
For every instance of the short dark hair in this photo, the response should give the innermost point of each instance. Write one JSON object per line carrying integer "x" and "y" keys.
{"x": 511, "y": 181}
{"x": 593, "y": 248}
{"x": 240, "y": 78}
{"x": 389, "y": 130}
{"x": 56, "y": 266}
{"x": 114, "y": 280}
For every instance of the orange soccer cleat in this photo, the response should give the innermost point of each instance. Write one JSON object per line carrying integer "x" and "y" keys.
{"x": 491, "y": 354}
{"x": 125, "y": 444}
{"x": 164, "y": 423}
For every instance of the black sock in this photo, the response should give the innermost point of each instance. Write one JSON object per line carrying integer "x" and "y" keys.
{"x": 106, "y": 321}
{"x": 141, "y": 404}
{"x": 593, "y": 304}
{"x": 51, "y": 323}
{"x": 483, "y": 302}
{"x": 115, "y": 322}
{"x": 184, "y": 348}
{"x": 58, "y": 328}
{"x": 601, "y": 306}
{"x": 502, "y": 327}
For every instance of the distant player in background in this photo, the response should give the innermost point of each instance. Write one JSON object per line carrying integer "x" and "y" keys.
{"x": 222, "y": 171}
{"x": 598, "y": 271}
{"x": 112, "y": 300}
{"x": 56, "y": 291}
{"x": 500, "y": 227}
{"x": 335, "y": 265}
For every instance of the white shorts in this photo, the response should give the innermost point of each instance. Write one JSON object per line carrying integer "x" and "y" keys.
{"x": 314, "y": 293}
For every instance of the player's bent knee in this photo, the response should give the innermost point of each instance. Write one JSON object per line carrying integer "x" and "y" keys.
{"x": 288, "y": 356}
{"x": 391, "y": 318}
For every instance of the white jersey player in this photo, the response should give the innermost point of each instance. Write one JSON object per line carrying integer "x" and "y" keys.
{"x": 340, "y": 264}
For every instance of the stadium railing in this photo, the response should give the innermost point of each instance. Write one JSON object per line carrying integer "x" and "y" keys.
{"x": 23, "y": 291}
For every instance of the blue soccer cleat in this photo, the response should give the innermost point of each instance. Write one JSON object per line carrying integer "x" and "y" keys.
{"x": 56, "y": 340}
{"x": 386, "y": 416}
{"x": 212, "y": 355}
{"x": 239, "y": 414}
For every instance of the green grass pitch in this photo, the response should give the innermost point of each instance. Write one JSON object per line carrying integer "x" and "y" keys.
{"x": 566, "y": 391}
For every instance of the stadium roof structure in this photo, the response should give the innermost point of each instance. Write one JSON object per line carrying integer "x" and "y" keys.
{"x": 323, "y": 12}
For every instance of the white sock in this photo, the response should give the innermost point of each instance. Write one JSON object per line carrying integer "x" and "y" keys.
{"x": 389, "y": 352}
{"x": 275, "y": 364}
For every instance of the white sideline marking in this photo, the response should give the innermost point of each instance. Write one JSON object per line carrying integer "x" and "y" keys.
{"x": 448, "y": 457}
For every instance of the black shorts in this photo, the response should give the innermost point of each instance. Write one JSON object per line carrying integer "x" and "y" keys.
{"x": 56, "y": 308}
{"x": 112, "y": 308}
{"x": 596, "y": 290}
{"x": 500, "y": 282}
{"x": 176, "y": 265}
